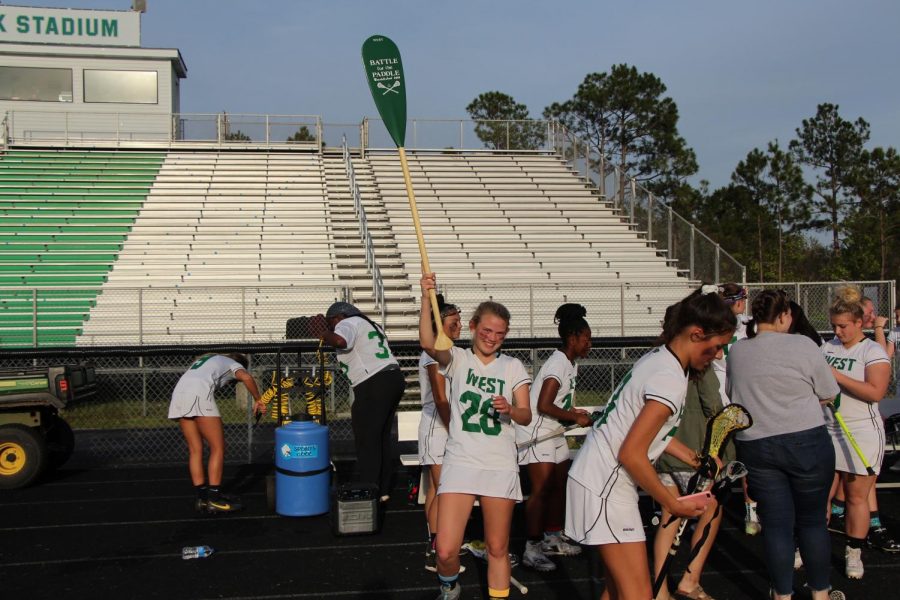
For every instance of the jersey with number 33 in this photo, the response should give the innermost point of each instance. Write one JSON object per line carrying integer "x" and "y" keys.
{"x": 366, "y": 353}
{"x": 656, "y": 377}
{"x": 477, "y": 439}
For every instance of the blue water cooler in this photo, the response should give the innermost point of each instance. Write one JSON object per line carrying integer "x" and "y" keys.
{"x": 302, "y": 469}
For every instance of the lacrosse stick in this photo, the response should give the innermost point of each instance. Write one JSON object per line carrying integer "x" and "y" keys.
{"x": 719, "y": 428}
{"x": 561, "y": 430}
{"x": 840, "y": 419}
{"x": 479, "y": 550}
{"x": 733, "y": 471}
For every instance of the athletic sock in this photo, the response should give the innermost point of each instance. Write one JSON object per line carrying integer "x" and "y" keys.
{"x": 837, "y": 507}
{"x": 448, "y": 582}
{"x": 855, "y": 542}
{"x": 499, "y": 594}
{"x": 874, "y": 520}
{"x": 202, "y": 491}
{"x": 535, "y": 539}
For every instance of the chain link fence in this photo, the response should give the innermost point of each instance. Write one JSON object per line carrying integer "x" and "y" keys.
{"x": 126, "y": 421}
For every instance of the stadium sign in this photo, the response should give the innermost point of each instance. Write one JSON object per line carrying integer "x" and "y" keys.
{"x": 67, "y": 26}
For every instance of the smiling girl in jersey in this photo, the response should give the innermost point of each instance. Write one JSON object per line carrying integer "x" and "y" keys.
{"x": 636, "y": 428}
{"x": 488, "y": 390}
{"x": 434, "y": 422}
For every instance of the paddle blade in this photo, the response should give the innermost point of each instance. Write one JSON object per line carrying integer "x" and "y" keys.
{"x": 384, "y": 72}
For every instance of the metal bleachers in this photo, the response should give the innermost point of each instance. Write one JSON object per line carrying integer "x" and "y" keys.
{"x": 244, "y": 223}
{"x": 128, "y": 247}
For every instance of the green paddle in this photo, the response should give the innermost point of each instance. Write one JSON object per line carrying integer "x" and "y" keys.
{"x": 384, "y": 72}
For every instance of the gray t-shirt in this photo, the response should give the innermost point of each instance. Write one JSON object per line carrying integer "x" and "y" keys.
{"x": 779, "y": 378}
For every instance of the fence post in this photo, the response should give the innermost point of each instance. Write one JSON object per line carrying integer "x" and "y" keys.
{"x": 34, "y": 319}
{"x": 507, "y": 135}
{"x": 140, "y": 316}
{"x": 319, "y": 133}
{"x": 531, "y": 309}
{"x": 650, "y": 216}
{"x": 243, "y": 314}
{"x": 670, "y": 228}
{"x": 460, "y": 134}
{"x": 267, "y": 130}
{"x": 692, "y": 251}
{"x": 415, "y": 134}
{"x": 143, "y": 385}
{"x": 622, "y": 309}
{"x": 718, "y": 277}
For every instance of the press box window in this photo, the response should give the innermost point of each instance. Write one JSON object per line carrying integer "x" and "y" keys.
{"x": 34, "y": 84}
{"x": 126, "y": 87}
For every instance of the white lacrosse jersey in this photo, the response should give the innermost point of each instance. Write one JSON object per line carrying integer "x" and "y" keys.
{"x": 719, "y": 365}
{"x": 657, "y": 376}
{"x": 853, "y": 362}
{"x": 893, "y": 336}
{"x": 208, "y": 373}
{"x": 428, "y": 408}
{"x": 366, "y": 353}
{"x": 478, "y": 439}
{"x": 560, "y": 368}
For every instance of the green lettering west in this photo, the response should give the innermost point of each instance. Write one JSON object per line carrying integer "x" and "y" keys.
{"x": 471, "y": 378}
{"x": 502, "y": 383}
{"x": 491, "y": 388}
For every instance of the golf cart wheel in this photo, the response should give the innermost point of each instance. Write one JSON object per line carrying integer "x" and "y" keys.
{"x": 23, "y": 456}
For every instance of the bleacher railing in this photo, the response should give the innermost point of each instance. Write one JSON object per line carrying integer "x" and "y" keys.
{"x": 360, "y": 209}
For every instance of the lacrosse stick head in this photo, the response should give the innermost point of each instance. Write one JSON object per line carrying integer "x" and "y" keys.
{"x": 722, "y": 425}
{"x": 734, "y": 471}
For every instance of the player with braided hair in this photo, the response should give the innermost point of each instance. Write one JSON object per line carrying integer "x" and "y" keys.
{"x": 637, "y": 426}
{"x": 552, "y": 401}
{"x": 378, "y": 384}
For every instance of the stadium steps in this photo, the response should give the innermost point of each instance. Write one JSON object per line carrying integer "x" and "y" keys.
{"x": 350, "y": 248}
{"x": 64, "y": 216}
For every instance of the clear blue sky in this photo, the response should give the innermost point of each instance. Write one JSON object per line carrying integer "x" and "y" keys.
{"x": 741, "y": 73}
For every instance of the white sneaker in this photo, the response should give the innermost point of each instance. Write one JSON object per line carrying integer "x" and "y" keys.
{"x": 560, "y": 545}
{"x": 450, "y": 594}
{"x": 853, "y": 562}
{"x": 798, "y": 560}
{"x": 751, "y": 519}
{"x": 535, "y": 559}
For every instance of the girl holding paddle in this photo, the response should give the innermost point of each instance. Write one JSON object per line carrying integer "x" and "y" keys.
{"x": 488, "y": 392}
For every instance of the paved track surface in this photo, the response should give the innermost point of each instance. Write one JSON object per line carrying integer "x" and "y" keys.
{"x": 118, "y": 533}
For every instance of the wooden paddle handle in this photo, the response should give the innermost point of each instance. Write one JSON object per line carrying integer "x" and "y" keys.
{"x": 442, "y": 342}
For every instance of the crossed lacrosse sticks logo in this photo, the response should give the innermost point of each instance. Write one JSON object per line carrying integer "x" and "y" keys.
{"x": 392, "y": 88}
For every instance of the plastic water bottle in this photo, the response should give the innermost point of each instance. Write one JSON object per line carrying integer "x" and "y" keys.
{"x": 189, "y": 552}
